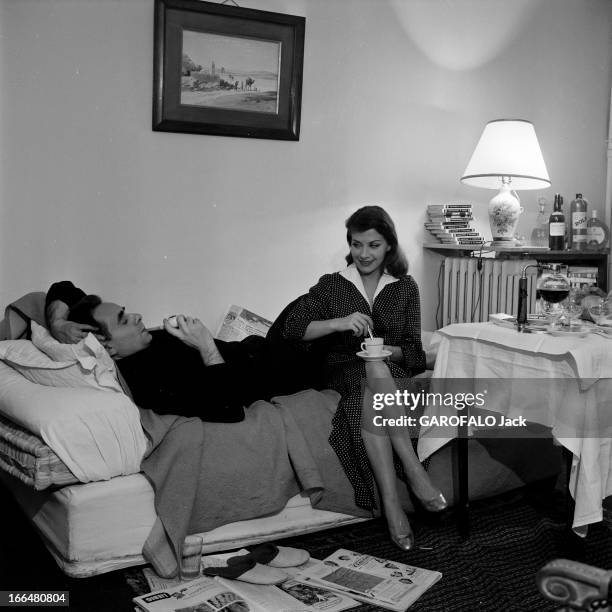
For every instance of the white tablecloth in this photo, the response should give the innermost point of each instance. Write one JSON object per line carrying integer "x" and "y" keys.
{"x": 570, "y": 408}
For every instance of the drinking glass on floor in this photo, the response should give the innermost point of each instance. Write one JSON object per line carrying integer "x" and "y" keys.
{"x": 192, "y": 557}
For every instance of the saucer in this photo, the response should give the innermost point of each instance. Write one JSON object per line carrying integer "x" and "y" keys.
{"x": 577, "y": 333}
{"x": 367, "y": 357}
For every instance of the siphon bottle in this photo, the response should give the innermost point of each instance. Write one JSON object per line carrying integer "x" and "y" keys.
{"x": 556, "y": 225}
{"x": 578, "y": 224}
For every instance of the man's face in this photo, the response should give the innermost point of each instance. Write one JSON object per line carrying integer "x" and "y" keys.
{"x": 127, "y": 331}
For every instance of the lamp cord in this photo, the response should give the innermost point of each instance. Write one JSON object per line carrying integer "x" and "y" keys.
{"x": 439, "y": 294}
{"x": 479, "y": 267}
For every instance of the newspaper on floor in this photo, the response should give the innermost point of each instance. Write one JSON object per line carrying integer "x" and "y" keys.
{"x": 212, "y": 594}
{"x": 156, "y": 582}
{"x": 238, "y": 323}
{"x": 200, "y": 594}
{"x": 290, "y": 596}
{"x": 384, "y": 583}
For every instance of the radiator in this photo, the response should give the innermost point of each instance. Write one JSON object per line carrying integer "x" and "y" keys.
{"x": 469, "y": 295}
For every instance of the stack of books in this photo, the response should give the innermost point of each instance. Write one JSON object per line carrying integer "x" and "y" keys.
{"x": 582, "y": 276}
{"x": 451, "y": 224}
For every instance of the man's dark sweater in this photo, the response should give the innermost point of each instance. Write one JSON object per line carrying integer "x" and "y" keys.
{"x": 170, "y": 377}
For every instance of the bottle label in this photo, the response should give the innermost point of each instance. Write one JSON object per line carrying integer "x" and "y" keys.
{"x": 579, "y": 220}
{"x": 557, "y": 229}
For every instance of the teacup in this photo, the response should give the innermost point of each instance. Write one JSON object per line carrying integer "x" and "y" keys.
{"x": 373, "y": 346}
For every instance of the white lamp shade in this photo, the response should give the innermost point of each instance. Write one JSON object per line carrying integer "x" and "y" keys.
{"x": 507, "y": 148}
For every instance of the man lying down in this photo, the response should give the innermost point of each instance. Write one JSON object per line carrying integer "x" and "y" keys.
{"x": 183, "y": 371}
{"x": 180, "y": 369}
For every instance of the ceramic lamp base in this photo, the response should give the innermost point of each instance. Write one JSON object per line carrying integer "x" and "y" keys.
{"x": 504, "y": 211}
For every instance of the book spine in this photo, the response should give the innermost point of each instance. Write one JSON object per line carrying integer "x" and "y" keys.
{"x": 449, "y": 213}
{"x": 449, "y": 207}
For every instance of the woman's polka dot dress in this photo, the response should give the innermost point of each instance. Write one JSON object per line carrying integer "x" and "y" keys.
{"x": 397, "y": 318}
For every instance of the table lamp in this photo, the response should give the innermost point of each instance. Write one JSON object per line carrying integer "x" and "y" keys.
{"x": 507, "y": 157}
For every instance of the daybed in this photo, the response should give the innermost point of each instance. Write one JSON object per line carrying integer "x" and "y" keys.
{"x": 71, "y": 458}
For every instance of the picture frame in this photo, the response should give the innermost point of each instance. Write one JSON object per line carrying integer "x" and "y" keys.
{"x": 226, "y": 70}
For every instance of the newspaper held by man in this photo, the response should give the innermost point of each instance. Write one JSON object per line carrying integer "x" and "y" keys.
{"x": 238, "y": 323}
{"x": 388, "y": 584}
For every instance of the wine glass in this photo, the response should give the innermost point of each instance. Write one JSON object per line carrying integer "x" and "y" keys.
{"x": 601, "y": 313}
{"x": 552, "y": 311}
{"x": 573, "y": 308}
{"x": 553, "y": 289}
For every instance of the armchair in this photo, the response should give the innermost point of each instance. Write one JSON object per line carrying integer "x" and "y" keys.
{"x": 576, "y": 586}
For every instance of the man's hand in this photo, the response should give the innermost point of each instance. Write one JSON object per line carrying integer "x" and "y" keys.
{"x": 69, "y": 332}
{"x": 194, "y": 333}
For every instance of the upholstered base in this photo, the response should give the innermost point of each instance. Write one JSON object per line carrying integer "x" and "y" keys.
{"x": 101, "y": 526}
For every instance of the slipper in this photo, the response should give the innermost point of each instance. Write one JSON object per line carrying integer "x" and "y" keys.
{"x": 274, "y": 556}
{"x": 247, "y": 570}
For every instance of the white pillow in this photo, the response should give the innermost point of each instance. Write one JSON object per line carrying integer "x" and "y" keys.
{"x": 94, "y": 428}
{"x": 96, "y": 434}
{"x": 47, "y": 362}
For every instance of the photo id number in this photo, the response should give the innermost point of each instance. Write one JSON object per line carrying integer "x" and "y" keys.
{"x": 34, "y": 598}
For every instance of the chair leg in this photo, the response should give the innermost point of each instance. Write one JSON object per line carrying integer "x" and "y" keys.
{"x": 463, "y": 499}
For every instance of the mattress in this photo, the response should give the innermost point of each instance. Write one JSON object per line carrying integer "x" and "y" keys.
{"x": 101, "y": 526}
{"x": 27, "y": 457}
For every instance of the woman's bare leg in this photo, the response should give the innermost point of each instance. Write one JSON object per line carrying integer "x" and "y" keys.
{"x": 380, "y": 453}
{"x": 379, "y": 380}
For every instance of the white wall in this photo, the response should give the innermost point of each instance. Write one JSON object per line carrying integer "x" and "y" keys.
{"x": 395, "y": 95}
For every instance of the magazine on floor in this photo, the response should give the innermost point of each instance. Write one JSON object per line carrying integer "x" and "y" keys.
{"x": 290, "y": 596}
{"x": 380, "y": 582}
{"x": 156, "y": 582}
{"x": 210, "y": 594}
{"x": 303, "y": 597}
{"x": 200, "y": 594}
{"x": 238, "y": 323}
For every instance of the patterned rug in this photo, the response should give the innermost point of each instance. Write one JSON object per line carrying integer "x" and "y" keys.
{"x": 512, "y": 537}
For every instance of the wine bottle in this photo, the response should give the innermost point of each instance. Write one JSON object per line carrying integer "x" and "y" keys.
{"x": 578, "y": 224}
{"x": 556, "y": 225}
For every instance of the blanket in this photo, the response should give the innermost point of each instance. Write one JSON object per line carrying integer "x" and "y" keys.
{"x": 208, "y": 474}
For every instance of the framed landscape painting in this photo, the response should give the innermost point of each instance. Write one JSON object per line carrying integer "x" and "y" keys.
{"x": 227, "y": 70}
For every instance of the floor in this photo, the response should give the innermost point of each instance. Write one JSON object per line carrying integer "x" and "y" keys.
{"x": 25, "y": 563}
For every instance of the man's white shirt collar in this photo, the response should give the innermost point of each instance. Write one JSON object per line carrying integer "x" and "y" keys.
{"x": 352, "y": 275}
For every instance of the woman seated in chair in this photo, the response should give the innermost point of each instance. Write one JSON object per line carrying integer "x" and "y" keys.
{"x": 373, "y": 295}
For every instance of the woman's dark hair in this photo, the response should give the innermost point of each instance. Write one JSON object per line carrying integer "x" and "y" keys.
{"x": 82, "y": 312}
{"x": 377, "y": 218}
